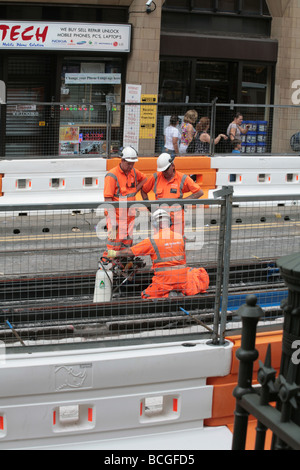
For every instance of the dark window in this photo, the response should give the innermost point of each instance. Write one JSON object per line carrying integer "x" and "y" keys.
{"x": 175, "y": 81}
{"x": 21, "y": 11}
{"x": 252, "y": 6}
{"x": 255, "y": 74}
{"x": 204, "y": 4}
{"x": 227, "y": 6}
{"x": 254, "y": 84}
{"x": 246, "y": 7}
{"x": 177, "y": 4}
{"x": 64, "y": 13}
{"x": 211, "y": 81}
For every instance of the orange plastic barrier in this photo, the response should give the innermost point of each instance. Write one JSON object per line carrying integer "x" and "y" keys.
{"x": 223, "y": 399}
{"x": 199, "y": 166}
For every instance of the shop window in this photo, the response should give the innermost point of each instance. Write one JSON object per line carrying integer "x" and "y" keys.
{"x": 87, "y": 85}
{"x": 87, "y": 89}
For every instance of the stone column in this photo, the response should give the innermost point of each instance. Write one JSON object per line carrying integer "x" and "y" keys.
{"x": 143, "y": 60}
{"x": 285, "y": 28}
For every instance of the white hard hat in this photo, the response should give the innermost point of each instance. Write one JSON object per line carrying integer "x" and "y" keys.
{"x": 129, "y": 154}
{"x": 160, "y": 214}
{"x": 164, "y": 161}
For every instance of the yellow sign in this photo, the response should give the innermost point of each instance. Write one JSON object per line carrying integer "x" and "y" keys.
{"x": 42, "y": 123}
{"x": 148, "y": 117}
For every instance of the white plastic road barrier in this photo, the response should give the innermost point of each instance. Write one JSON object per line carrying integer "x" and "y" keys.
{"x": 133, "y": 397}
{"x": 82, "y": 179}
{"x": 258, "y": 175}
{"x": 53, "y": 181}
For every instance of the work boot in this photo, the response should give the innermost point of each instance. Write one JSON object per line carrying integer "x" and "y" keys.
{"x": 175, "y": 293}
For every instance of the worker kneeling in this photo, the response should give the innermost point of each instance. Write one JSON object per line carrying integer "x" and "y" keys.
{"x": 167, "y": 251}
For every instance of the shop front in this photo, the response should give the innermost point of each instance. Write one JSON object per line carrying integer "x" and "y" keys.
{"x": 60, "y": 78}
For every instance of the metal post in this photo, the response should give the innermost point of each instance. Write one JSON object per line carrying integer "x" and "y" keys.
{"x": 213, "y": 127}
{"x": 219, "y": 273}
{"x": 247, "y": 354}
{"x": 226, "y": 192}
{"x": 109, "y": 109}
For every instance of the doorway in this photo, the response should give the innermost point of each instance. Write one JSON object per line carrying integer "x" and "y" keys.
{"x": 29, "y": 119}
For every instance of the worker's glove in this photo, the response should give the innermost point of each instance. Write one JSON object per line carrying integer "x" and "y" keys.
{"x": 112, "y": 233}
{"x": 111, "y": 253}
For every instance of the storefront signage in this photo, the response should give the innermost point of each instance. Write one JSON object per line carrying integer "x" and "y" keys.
{"x": 77, "y": 78}
{"x": 65, "y": 36}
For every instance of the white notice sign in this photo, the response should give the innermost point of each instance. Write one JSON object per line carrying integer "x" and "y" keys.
{"x": 107, "y": 78}
{"x": 132, "y": 116}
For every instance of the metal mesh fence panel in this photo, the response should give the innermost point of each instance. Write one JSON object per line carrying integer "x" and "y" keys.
{"x": 49, "y": 261}
{"x": 263, "y": 230}
{"x": 271, "y": 129}
{"x": 48, "y": 264}
{"x": 36, "y": 129}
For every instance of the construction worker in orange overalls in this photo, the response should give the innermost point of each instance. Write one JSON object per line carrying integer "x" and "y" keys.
{"x": 122, "y": 183}
{"x": 168, "y": 183}
{"x": 167, "y": 252}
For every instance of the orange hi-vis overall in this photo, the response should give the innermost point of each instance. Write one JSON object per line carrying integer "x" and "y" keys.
{"x": 173, "y": 189}
{"x": 121, "y": 187}
{"x": 167, "y": 253}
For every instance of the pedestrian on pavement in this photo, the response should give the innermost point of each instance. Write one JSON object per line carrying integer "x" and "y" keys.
{"x": 172, "y": 137}
{"x": 235, "y": 129}
{"x": 202, "y": 137}
{"x": 187, "y": 129}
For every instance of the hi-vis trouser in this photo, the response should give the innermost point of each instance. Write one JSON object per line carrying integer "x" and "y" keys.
{"x": 189, "y": 281}
{"x": 120, "y": 232}
{"x": 119, "y": 223}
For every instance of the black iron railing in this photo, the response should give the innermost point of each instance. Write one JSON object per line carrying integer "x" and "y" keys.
{"x": 283, "y": 419}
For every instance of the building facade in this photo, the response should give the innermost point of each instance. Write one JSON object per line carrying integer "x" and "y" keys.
{"x": 174, "y": 51}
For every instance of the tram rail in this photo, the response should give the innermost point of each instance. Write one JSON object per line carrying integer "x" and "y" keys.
{"x": 50, "y": 307}
{"x": 77, "y": 285}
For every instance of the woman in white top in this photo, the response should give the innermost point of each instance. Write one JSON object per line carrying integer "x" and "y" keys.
{"x": 172, "y": 137}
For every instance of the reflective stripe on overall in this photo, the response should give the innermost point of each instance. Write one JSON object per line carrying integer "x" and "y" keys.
{"x": 124, "y": 228}
{"x": 176, "y": 213}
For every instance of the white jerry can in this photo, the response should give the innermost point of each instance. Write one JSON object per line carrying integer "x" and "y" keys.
{"x": 103, "y": 285}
